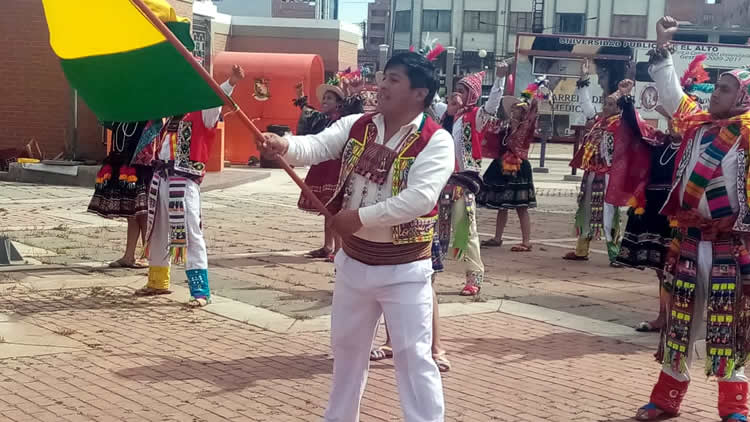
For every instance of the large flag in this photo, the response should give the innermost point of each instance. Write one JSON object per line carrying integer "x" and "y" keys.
{"x": 123, "y": 67}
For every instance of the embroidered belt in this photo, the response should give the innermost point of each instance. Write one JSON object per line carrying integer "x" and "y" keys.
{"x": 376, "y": 253}
{"x": 710, "y": 229}
{"x": 166, "y": 169}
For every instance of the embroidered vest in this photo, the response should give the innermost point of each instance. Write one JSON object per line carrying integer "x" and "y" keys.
{"x": 469, "y": 146}
{"x": 190, "y": 142}
{"x": 363, "y": 132}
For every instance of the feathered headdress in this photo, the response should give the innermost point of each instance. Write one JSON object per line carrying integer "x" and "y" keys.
{"x": 532, "y": 90}
{"x": 694, "y": 77}
{"x": 431, "y": 50}
{"x": 344, "y": 74}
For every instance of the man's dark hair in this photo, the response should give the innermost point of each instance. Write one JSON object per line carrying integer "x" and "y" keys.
{"x": 421, "y": 73}
{"x": 617, "y": 69}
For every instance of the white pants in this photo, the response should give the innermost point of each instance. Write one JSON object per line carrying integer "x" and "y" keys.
{"x": 404, "y": 294}
{"x": 697, "y": 346}
{"x": 197, "y": 258}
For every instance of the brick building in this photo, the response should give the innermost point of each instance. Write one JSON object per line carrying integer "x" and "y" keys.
{"x": 38, "y": 103}
{"x": 716, "y": 21}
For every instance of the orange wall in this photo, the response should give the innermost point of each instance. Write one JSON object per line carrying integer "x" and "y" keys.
{"x": 283, "y": 72}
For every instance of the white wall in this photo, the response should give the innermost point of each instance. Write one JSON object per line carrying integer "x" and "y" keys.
{"x": 401, "y": 41}
{"x": 403, "y": 5}
{"x": 631, "y": 7}
{"x": 474, "y": 41}
{"x": 657, "y": 9}
{"x": 435, "y": 4}
{"x": 480, "y": 5}
{"x": 245, "y": 7}
{"x": 520, "y": 6}
{"x": 443, "y": 38}
{"x": 571, "y": 6}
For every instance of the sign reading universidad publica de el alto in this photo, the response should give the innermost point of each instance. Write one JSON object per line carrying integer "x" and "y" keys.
{"x": 612, "y": 59}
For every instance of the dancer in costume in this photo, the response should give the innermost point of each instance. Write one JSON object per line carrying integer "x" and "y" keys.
{"x": 121, "y": 189}
{"x": 174, "y": 218}
{"x": 648, "y": 233}
{"x": 394, "y": 164}
{"x": 508, "y": 182}
{"x": 594, "y": 214}
{"x": 708, "y": 257}
{"x": 338, "y": 98}
{"x": 458, "y": 226}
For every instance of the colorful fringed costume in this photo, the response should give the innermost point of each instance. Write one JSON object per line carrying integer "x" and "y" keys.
{"x": 709, "y": 206}
{"x": 594, "y": 215}
{"x": 509, "y": 182}
{"x": 174, "y": 220}
{"x": 458, "y": 226}
{"x": 122, "y": 183}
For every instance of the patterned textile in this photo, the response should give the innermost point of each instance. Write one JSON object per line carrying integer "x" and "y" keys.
{"x": 742, "y": 76}
{"x": 593, "y": 209}
{"x": 124, "y": 199}
{"x": 590, "y": 156}
{"x": 198, "y": 284}
{"x": 518, "y": 140}
{"x": 437, "y": 255}
{"x": 504, "y": 191}
{"x": 177, "y": 227}
{"x": 473, "y": 85}
{"x": 708, "y": 176}
{"x": 322, "y": 179}
{"x": 418, "y": 230}
{"x": 728, "y": 317}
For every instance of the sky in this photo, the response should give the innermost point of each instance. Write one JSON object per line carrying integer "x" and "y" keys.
{"x": 353, "y": 11}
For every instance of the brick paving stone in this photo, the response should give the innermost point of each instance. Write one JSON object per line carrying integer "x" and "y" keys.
{"x": 506, "y": 368}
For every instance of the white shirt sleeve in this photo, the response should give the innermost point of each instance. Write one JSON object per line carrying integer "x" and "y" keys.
{"x": 211, "y": 115}
{"x": 584, "y": 96}
{"x": 493, "y": 103}
{"x": 324, "y": 146}
{"x": 427, "y": 178}
{"x": 667, "y": 84}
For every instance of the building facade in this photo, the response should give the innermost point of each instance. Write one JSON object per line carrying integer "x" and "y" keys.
{"x": 484, "y": 31}
{"x": 714, "y": 21}
{"x": 301, "y": 9}
{"x": 376, "y": 31}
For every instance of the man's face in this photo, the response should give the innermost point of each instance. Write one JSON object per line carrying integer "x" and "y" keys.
{"x": 329, "y": 103}
{"x": 462, "y": 92}
{"x": 610, "y": 108}
{"x": 395, "y": 91}
{"x": 454, "y": 104}
{"x": 724, "y": 97}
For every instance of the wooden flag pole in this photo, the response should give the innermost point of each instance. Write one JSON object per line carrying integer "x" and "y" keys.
{"x": 257, "y": 134}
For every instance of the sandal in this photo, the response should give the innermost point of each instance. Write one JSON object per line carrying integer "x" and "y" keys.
{"x": 198, "y": 302}
{"x": 614, "y": 264}
{"x": 650, "y": 412}
{"x": 150, "y": 291}
{"x": 647, "y": 327}
{"x": 521, "y": 248}
{"x": 571, "y": 256}
{"x": 734, "y": 417}
{"x": 491, "y": 243}
{"x": 319, "y": 253}
{"x": 380, "y": 353}
{"x": 139, "y": 264}
{"x": 442, "y": 362}
{"x": 470, "y": 290}
{"x": 121, "y": 263}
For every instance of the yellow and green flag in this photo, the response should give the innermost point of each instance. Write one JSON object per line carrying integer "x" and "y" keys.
{"x": 123, "y": 67}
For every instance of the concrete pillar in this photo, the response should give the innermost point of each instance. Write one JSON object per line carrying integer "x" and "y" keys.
{"x": 383, "y": 56}
{"x": 450, "y": 60}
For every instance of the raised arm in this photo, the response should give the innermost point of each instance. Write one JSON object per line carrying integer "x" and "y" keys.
{"x": 326, "y": 145}
{"x": 662, "y": 67}
{"x": 583, "y": 91}
{"x": 211, "y": 115}
{"x": 489, "y": 110}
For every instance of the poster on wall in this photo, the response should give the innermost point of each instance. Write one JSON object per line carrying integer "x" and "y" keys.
{"x": 612, "y": 59}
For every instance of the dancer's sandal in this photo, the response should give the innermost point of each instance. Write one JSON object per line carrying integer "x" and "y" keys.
{"x": 319, "y": 253}
{"x": 571, "y": 256}
{"x": 150, "y": 291}
{"x": 647, "y": 327}
{"x": 491, "y": 243}
{"x": 470, "y": 290}
{"x": 652, "y": 412}
{"x": 521, "y": 248}
{"x": 198, "y": 302}
{"x": 442, "y": 362}
{"x": 734, "y": 417}
{"x": 381, "y": 353}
